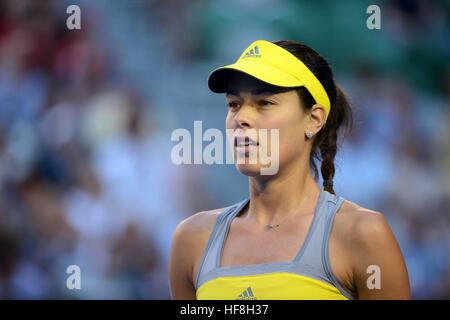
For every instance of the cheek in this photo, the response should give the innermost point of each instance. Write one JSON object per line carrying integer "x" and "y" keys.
{"x": 229, "y": 130}
{"x": 290, "y": 127}
{"x": 229, "y": 121}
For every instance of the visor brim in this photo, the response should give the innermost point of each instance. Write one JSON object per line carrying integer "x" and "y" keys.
{"x": 219, "y": 81}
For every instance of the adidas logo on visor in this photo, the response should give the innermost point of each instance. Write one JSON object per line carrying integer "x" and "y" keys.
{"x": 246, "y": 295}
{"x": 252, "y": 53}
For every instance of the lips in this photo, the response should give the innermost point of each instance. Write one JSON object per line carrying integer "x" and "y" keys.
{"x": 244, "y": 141}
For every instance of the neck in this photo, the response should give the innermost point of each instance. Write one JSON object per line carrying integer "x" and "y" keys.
{"x": 291, "y": 192}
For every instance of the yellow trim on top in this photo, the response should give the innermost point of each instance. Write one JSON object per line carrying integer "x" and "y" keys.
{"x": 270, "y": 286}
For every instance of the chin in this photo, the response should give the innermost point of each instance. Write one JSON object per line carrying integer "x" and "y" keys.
{"x": 254, "y": 170}
{"x": 248, "y": 164}
{"x": 250, "y": 170}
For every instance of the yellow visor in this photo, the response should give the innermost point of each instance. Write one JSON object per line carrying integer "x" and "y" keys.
{"x": 274, "y": 65}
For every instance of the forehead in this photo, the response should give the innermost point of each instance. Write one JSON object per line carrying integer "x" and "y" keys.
{"x": 252, "y": 93}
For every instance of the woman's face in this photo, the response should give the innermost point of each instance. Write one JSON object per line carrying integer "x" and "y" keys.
{"x": 252, "y": 109}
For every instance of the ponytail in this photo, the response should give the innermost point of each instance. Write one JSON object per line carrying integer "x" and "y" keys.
{"x": 327, "y": 138}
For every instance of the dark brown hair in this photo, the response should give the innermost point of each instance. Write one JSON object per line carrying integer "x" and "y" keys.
{"x": 325, "y": 143}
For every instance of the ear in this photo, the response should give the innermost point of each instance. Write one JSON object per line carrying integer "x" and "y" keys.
{"x": 316, "y": 118}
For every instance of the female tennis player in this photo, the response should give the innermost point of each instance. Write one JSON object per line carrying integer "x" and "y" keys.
{"x": 291, "y": 239}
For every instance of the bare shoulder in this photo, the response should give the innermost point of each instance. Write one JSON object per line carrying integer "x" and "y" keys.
{"x": 198, "y": 224}
{"x": 359, "y": 223}
{"x": 188, "y": 243}
{"x": 192, "y": 233}
{"x": 366, "y": 240}
{"x": 190, "y": 239}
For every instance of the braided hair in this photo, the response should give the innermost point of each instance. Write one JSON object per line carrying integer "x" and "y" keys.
{"x": 325, "y": 143}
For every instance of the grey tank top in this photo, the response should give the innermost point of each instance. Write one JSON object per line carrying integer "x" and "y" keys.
{"x": 312, "y": 259}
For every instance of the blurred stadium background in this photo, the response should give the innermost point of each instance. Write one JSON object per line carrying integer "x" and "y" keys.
{"x": 86, "y": 117}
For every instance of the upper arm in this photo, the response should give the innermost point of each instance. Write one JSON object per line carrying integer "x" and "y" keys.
{"x": 180, "y": 263}
{"x": 188, "y": 244}
{"x": 379, "y": 270}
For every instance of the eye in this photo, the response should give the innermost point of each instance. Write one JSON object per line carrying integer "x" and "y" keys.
{"x": 265, "y": 103}
{"x": 233, "y": 105}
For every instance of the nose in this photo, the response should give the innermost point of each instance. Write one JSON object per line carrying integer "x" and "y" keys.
{"x": 243, "y": 118}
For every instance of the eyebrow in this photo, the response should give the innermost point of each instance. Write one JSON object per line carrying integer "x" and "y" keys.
{"x": 256, "y": 92}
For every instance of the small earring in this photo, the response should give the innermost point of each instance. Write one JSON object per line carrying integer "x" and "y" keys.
{"x": 309, "y": 135}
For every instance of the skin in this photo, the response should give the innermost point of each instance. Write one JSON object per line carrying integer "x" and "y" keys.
{"x": 359, "y": 238}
